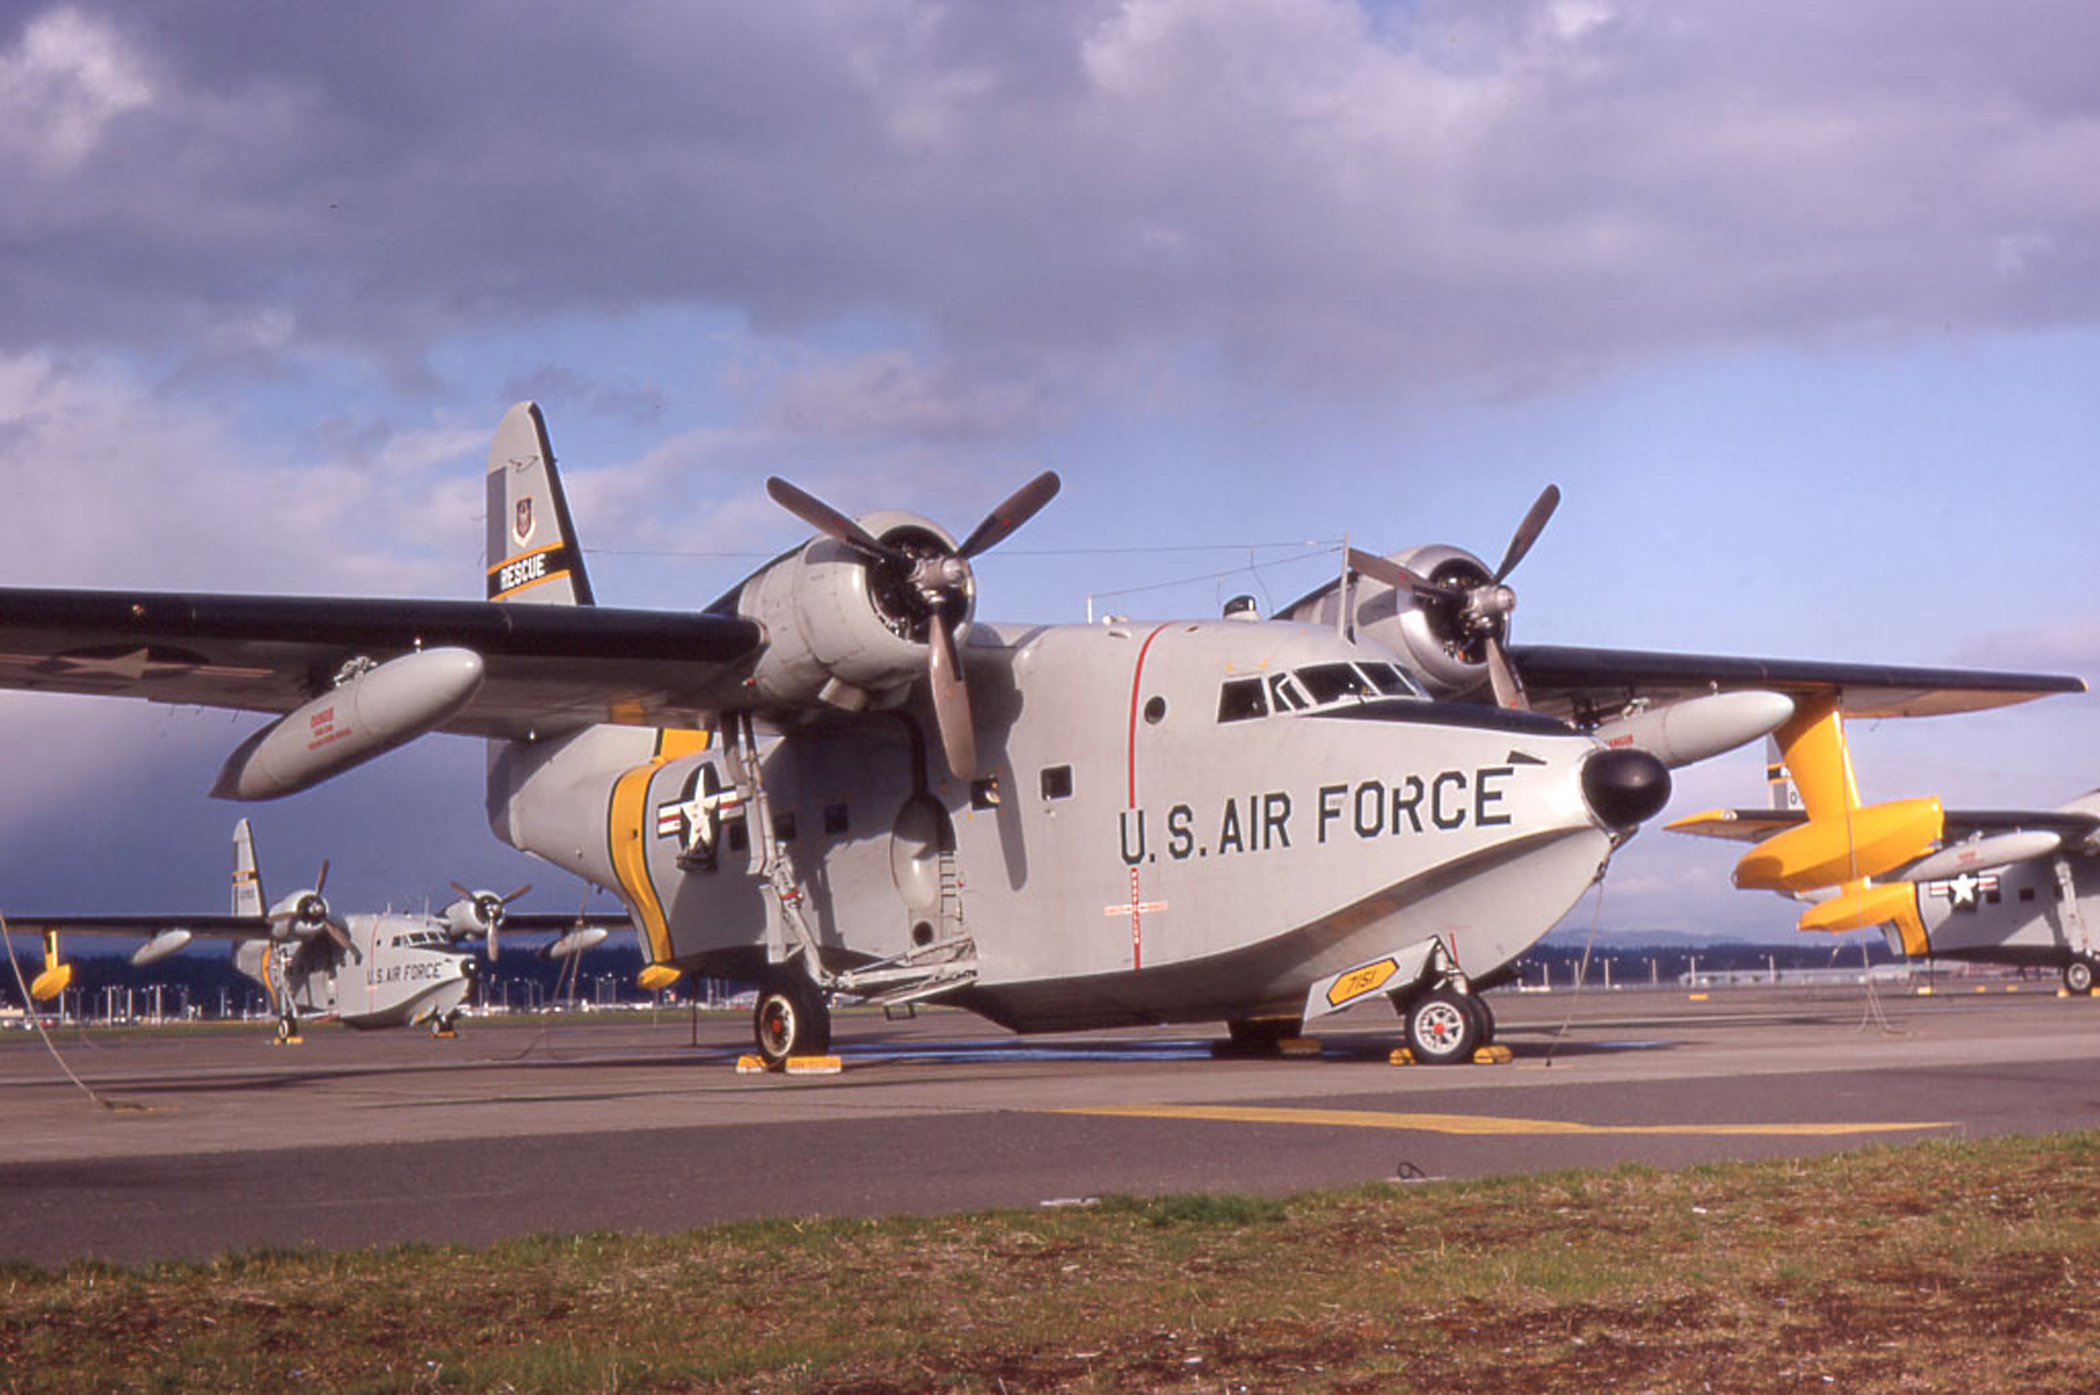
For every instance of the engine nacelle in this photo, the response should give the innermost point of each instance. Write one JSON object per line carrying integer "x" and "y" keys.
{"x": 352, "y": 722}
{"x": 1433, "y": 639}
{"x": 301, "y": 915}
{"x": 845, "y": 629}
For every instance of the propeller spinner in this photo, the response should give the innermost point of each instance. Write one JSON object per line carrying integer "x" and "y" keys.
{"x": 308, "y": 915}
{"x": 929, "y": 586}
{"x": 1472, "y": 610}
{"x": 487, "y": 909}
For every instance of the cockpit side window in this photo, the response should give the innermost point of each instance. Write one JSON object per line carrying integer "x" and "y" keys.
{"x": 1240, "y": 699}
{"x": 1333, "y": 682}
{"x": 1284, "y": 695}
{"x": 1391, "y": 680}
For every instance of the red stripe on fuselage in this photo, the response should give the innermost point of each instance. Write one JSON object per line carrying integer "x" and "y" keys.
{"x": 1137, "y": 676}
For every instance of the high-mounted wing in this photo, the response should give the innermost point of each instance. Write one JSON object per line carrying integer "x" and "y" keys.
{"x": 556, "y": 922}
{"x": 1590, "y": 685}
{"x": 1597, "y": 683}
{"x": 544, "y": 668}
{"x": 164, "y": 935}
{"x": 1448, "y": 616}
{"x": 204, "y": 926}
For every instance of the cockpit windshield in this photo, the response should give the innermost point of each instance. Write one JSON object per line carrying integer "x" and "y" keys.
{"x": 1314, "y": 686}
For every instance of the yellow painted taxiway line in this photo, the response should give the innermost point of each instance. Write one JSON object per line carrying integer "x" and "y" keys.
{"x": 1475, "y": 1124}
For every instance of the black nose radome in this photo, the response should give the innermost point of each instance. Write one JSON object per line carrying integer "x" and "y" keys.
{"x": 1624, "y": 787}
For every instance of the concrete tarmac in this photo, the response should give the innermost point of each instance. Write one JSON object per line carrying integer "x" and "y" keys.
{"x": 205, "y": 1142}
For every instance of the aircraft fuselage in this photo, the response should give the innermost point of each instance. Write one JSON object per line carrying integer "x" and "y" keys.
{"x": 402, "y": 970}
{"x": 1186, "y": 821}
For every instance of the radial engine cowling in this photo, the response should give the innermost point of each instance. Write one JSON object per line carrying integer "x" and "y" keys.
{"x": 1444, "y": 643}
{"x": 849, "y": 630}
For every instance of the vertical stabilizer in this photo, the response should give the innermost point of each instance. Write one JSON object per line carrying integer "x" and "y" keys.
{"x": 1779, "y": 786}
{"x": 532, "y": 553}
{"x": 247, "y": 880}
{"x": 1844, "y": 844}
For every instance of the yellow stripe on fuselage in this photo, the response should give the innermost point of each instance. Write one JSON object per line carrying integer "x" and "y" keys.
{"x": 627, "y": 836}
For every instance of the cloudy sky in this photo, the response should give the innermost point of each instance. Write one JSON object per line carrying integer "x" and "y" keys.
{"x": 1798, "y": 303}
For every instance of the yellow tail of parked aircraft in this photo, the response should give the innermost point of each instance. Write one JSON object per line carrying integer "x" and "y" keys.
{"x": 2013, "y": 886}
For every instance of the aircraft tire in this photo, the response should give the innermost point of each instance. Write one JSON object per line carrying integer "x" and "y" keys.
{"x": 790, "y": 1018}
{"x": 1442, "y": 1029}
{"x": 1484, "y": 1017}
{"x": 2078, "y": 975}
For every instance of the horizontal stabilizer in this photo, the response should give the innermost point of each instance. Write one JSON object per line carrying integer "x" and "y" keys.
{"x": 1863, "y": 905}
{"x": 1862, "y": 842}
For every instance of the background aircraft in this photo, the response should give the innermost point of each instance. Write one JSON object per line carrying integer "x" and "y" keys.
{"x": 835, "y": 779}
{"x": 2000, "y": 886}
{"x": 388, "y": 969}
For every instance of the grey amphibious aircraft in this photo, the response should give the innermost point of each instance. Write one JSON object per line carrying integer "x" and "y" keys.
{"x": 386, "y": 969}
{"x": 837, "y": 780}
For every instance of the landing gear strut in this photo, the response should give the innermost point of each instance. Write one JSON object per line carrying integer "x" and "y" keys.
{"x": 791, "y": 1018}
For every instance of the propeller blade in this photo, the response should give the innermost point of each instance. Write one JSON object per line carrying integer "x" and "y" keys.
{"x": 1001, "y": 523}
{"x": 321, "y": 881}
{"x": 1509, "y": 690}
{"x": 505, "y": 901}
{"x": 830, "y": 522}
{"x": 494, "y": 942}
{"x": 1528, "y": 531}
{"x": 1385, "y": 569}
{"x": 951, "y": 700}
{"x": 466, "y": 891}
{"x": 339, "y": 934}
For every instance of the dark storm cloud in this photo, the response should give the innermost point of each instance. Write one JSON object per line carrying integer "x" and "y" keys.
{"x": 1441, "y": 191}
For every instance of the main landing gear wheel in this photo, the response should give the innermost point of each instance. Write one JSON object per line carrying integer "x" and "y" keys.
{"x": 1443, "y": 1027}
{"x": 790, "y": 1019}
{"x": 2078, "y": 975}
{"x": 1483, "y": 1017}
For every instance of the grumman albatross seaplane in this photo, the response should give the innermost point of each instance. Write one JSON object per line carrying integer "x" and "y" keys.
{"x": 838, "y": 779}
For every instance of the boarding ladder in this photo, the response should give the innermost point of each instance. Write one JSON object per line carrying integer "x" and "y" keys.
{"x": 946, "y": 961}
{"x": 2067, "y": 900}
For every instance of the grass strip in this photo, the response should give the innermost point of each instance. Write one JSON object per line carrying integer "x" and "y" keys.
{"x": 1955, "y": 1266}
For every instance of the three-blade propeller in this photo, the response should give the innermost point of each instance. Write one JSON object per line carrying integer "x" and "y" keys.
{"x": 936, "y": 584}
{"x": 1477, "y": 613}
{"x": 308, "y": 915}
{"x": 487, "y": 909}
